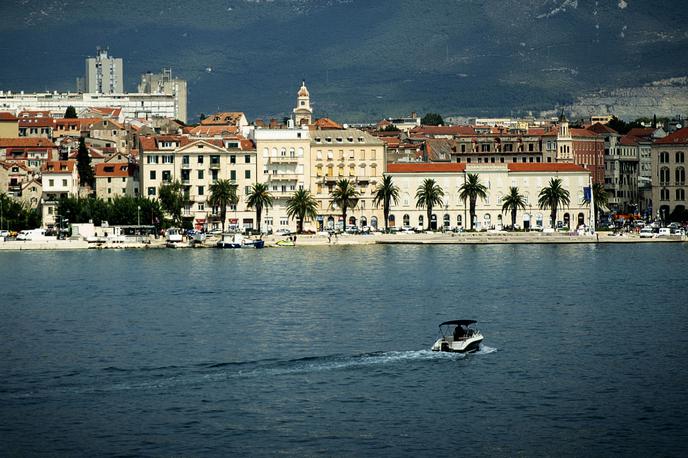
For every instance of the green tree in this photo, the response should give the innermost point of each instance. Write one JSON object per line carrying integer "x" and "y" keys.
{"x": 553, "y": 197}
{"x": 470, "y": 190}
{"x": 513, "y": 202}
{"x": 70, "y": 113}
{"x": 386, "y": 193}
{"x": 259, "y": 198}
{"x": 345, "y": 196}
{"x": 390, "y": 128}
{"x": 428, "y": 195}
{"x": 432, "y": 119}
{"x": 599, "y": 196}
{"x": 171, "y": 196}
{"x": 83, "y": 165}
{"x": 222, "y": 194}
{"x": 16, "y": 215}
{"x": 300, "y": 205}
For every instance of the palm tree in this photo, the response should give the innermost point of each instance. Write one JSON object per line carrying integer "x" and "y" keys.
{"x": 222, "y": 194}
{"x": 429, "y": 194}
{"x": 387, "y": 193}
{"x": 171, "y": 196}
{"x": 259, "y": 198}
{"x": 301, "y": 205}
{"x": 553, "y": 196}
{"x": 512, "y": 202}
{"x": 345, "y": 196}
{"x": 471, "y": 189}
{"x": 599, "y": 195}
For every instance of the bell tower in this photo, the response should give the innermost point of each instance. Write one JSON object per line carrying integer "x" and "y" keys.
{"x": 564, "y": 141}
{"x": 303, "y": 113}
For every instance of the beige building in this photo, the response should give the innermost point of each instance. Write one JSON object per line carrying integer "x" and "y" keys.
{"x": 9, "y": 125}
{"x": 530, "y": 178}
{"x": 116, "y": 180}
{"x": 669, "y": 175}
{"x": 197, "y": 164}
{"x": 350, "y": 154}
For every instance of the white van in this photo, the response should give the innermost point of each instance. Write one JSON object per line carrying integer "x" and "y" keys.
{"x": 664, "y": 232}
{"x": 34, "y": 234}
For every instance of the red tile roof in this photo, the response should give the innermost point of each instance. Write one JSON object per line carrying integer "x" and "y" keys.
{"x": 678, "y": 137}
{"x": 628, "y": 140}
{"x": 641, "y": 132}
{"x": 602, "y": 129}
{"x": 26, "y": 142}
{"x": 58, "y": 167}
{"x": 426, "y": 167}
{"x": 327, "y": 123}
{"x": 117, "y": 169}
{"x": 544, "y": 167}
{"x": 223, "y": 118}
{"x": 582, "y": 133}
{"x": 5, "y": 116}
{"x": 211, "y": 130}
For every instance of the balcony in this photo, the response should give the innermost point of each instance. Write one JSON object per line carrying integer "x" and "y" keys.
{"x": 214, "y": 166}
{"x": 186, "y": 165}
{"x": 283, "y": 159}
{"x": 284, "y": 177}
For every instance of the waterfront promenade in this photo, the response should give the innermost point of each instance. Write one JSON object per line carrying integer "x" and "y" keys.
{"x": 436, "y": 238}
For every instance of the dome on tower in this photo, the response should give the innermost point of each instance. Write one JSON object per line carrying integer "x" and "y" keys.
{"x": 303, "y": 92}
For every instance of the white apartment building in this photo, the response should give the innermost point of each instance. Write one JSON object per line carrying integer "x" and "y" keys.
{"x": 530, "y": 178}
{"x": 59, "y": 179}
{"x": 133, "y": 105}
{"x": 284, "y": 165}
{"x": 104, "y": 74}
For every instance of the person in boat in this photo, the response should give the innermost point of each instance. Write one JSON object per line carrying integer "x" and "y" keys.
{"x": 459, "y": 332}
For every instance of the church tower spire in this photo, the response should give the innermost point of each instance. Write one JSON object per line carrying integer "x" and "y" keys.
{"x": 303, "y": 113}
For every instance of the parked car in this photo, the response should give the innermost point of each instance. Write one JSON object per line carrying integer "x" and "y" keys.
{"x": 646, "y": 232}
{"x": 283, "y": 232}
{"x": 664, "y": 232}
{"x": 4, "y": 233}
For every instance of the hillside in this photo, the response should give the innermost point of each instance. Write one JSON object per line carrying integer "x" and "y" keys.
{"x": 361, "y": 59}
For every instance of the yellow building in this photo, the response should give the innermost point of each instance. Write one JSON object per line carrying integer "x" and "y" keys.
{"x": 9, "y": 125}
{"x": 350, "y": 154}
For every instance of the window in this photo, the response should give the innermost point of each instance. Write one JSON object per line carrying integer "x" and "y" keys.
{"x": 201, "y": 206}
{"x": 185, "y": 160}
{"x": 152, "y": 175}
{"x": 318, "y": 155}
{"x": 680, "y": 194}
{"x": 168, "y": 159}
{"x": 407, "y": 220}
{"x": 201, "y": 190}
{"x": 247, "y": 174}
{"x": 485, "y": 148}
{"x": 247, "y": 190}
{"x": 664, "y": 157}
{"x": 680, "y": 176}
{"x": 232, "y": 159}
{"x": 151, "y": 191}
{"x": 166, "y": 175}
{"x": 152, "y": 159}
{"x": 200, "y": 159}
{"x": 51, "y": 182}
{"x": 664, "y": 175}
{"x": 680, "y": 157}
{"x": 109, "y": 180}
{"x": 247, "y": 158}
{"x": 200, "y": 174}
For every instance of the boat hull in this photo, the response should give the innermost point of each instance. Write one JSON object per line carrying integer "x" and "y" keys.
{"x": 469, "y": 345}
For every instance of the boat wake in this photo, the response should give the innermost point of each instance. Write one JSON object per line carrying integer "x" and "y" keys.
{"x": 170, "y": 377}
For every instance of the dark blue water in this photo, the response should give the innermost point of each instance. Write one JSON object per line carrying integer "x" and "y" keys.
{"x": 313, "y": 351}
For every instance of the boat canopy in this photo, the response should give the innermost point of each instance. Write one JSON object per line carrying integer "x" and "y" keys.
{"x": 458, "y": 322}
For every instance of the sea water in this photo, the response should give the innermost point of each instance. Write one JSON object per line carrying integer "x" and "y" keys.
{"x": 325, "y": 350}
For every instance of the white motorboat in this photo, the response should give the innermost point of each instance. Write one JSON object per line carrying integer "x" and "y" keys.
{"x": 457, "y": 337}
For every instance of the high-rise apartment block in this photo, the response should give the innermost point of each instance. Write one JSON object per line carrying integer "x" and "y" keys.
{"x": 104, "y": 74}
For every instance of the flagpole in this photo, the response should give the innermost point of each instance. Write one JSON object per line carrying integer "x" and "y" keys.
{"x": 593, "y": 216}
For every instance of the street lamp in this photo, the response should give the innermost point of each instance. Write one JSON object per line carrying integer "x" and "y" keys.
{"x": 138, "y": 221}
